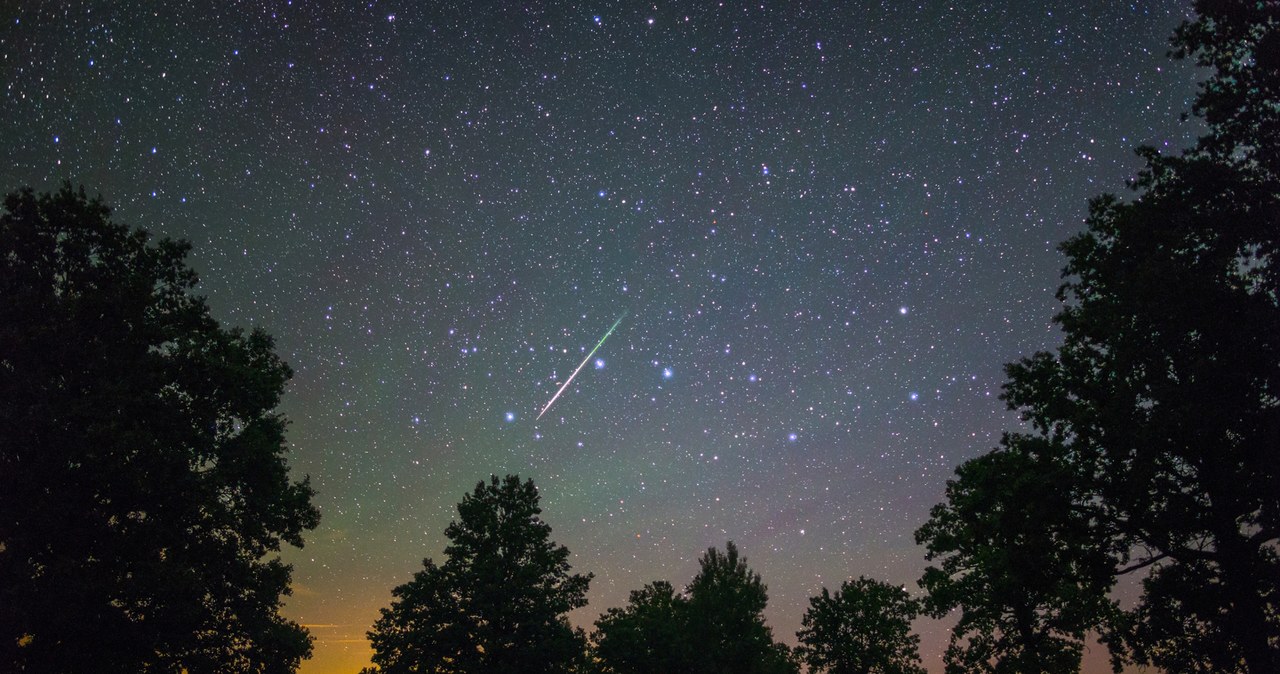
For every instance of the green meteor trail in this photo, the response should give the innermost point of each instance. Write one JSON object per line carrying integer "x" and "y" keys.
{"x": 565, "y": 385}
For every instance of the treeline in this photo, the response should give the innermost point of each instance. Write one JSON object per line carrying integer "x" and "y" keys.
{"x": 499, "y": 601}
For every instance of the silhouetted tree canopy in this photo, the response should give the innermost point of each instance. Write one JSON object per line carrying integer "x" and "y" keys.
{"x": 725, "y": 617}
{"x": 645, "y": 636}
{"x": 498, "y": 602}
{"x": 716, "y": 626}
{"x": 143, "y": 482}
{"x": 1019, "y": 557}
{"x": 864, "y": 628}
{"x": 1159, "y": 415}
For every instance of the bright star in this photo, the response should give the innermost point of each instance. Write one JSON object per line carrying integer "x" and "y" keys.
{"x": 510, "y": 417}
{"x": 599, "y": 363}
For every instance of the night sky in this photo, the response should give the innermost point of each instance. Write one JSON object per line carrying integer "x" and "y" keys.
{"x": 828, "y": 226}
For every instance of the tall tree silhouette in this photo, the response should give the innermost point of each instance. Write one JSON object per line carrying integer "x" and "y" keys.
{"x": 724, "y": 618}
{"x": 143, "y": 482}
{"x": 1162, "y": 402}
{"x": 498, "y": 602}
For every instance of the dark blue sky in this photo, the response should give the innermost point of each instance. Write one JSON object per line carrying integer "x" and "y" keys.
{"x": 829, "y": 224}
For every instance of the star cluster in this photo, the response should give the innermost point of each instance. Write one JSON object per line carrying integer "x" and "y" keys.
{"x": 829, "y": 225}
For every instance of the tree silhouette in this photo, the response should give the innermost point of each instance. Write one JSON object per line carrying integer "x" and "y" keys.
{"x": 498, "y": 602}
{"x": 864, "y": 628}
{"x": 715, "y": 627}
{"x": 143, "y": 484}
{"x": 1160, "y": 409}
{"x": 1021, "y": 560}
{"x": 646, "y": 636}
{"x": 724, "y": 618}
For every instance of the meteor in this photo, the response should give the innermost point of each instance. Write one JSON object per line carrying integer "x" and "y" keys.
{"x": 566, "y": 383}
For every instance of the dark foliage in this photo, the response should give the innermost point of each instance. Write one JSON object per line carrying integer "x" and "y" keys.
{"x": 1019, "y": 557}
{"x": 498, "y": 602}
{"x": 645, "y": 636}
{"x": 1160, "y": 414}
{"x": 864, "y": 628}
{"x": 143, "y": 484}
{"x": 715, "y": 627}
{"x": 725, "y": 618}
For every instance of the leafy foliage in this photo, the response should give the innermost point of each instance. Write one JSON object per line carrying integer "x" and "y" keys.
{"x": 1239, "y": 41}
{"x": 143, "y": 482}
{"x": 1159, "y": 414}
{"x": 1164, "y": 393}
{"x": 725, "y": 617}
{"x": 864, "y": 628}
{"x": 645, "y": 636}
{"x": 1019, "y": 557}
{"x": 498, "y": 602}
{"x": 716, "y": 626}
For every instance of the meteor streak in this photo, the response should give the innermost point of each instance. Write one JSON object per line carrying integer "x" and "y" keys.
{"x": 566, "y": 383}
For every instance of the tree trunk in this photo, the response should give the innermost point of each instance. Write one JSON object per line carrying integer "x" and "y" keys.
{"x": 1247, "y": 617}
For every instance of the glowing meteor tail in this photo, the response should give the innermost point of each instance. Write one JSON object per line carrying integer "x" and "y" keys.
{"x": 566, "y": 383}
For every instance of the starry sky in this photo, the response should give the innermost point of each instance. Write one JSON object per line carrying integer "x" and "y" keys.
{"x": 825, "y": 226}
